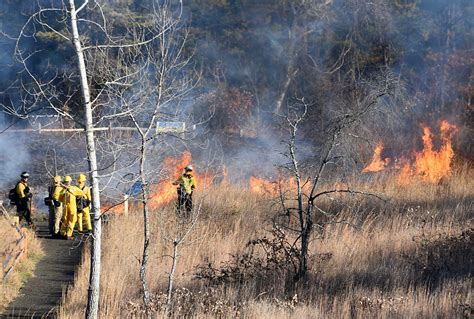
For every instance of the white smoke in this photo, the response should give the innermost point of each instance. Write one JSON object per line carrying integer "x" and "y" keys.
{"x": 14, "y": 156}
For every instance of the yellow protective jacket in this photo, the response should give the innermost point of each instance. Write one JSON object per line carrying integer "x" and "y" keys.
{"x": 56, "y": 191}
{"x": 67, "y": 196}
{"x": 21, "y": 189}
{"x": 186, "y": 182}
{"x": 86, "y": 192}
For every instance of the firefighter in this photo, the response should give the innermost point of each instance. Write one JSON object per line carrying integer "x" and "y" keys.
{"x": 186, "y": 186}
{"x": 83, "y": 207}
{"x": 24, "y": 196}
{"x": 55, "y": 206}
{"x": 68, "y": 195}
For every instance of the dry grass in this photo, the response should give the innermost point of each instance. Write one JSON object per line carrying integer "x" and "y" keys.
{"x": 410, "y": 257}
{"x": 8, "y": 235}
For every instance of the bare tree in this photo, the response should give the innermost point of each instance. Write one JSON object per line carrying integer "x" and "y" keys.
{"x": 104, "y": 59}
{"x": 43, "y": 91}
{"x": 154, "y": 93}
{"x": 305, "y": 22}
{"x": 94, "y": 281}
{"x": 179, "y": 239}
{"x": 309, "y": 177}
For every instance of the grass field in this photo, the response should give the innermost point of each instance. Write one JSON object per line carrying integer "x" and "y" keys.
{"x": 408, "y": 257}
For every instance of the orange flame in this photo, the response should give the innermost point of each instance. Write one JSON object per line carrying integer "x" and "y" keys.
{"x": 164, "y": 192}
{"x": 377, "y": 163}
{"x": 261, "y": 186}
{"x": 270, "y": 187}
{"x": 429, "y": 165}
{"x": 432, "y": 165}
{"x": 406, "y": 174}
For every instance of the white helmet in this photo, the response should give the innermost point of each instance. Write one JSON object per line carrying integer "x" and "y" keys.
{"x": 188, "y": 168}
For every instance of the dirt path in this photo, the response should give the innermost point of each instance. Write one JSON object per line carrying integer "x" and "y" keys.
{"x": 43, "y": 292}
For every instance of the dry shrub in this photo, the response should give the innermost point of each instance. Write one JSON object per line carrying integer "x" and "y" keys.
{"x": 263, "y": 257}
{"x": 187, "y": 303}
{"x": 440, "y": 256}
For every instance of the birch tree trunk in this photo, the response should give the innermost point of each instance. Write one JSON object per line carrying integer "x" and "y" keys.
{"x": 171, "y": 276}
{"x": 146, "y": 229}
{"x": 284, "y": 90}
{"x": 94, "y": 280}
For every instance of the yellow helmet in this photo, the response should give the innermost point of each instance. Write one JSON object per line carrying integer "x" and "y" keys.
{"x": 67, "y": 179}
{"x": 81, "y": 178}
{"x": 57, "y": 179}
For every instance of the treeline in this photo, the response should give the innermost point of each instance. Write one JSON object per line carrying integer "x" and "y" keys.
{"x": 257, "y": 58}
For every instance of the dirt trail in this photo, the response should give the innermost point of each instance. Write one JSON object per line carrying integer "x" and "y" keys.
{"x": 42, "y": 293}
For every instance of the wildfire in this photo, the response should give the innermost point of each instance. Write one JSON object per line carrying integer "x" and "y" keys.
{"x": 429, "y": 164}
{"x": 261, "y": 186}
{"x": 432, "y": 165}
{"x": 112, "y": 209}
{"x": 164, "y": 192}
{"x": 377, "y": 163}
{"x": 405, "y": 175}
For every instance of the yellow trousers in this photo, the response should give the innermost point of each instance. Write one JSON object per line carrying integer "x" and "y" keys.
{"x": 69, "y": 221}
{"x": 87, "y": 219}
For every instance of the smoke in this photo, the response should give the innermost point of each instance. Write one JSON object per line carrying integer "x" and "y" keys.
{"x": 249, "y": 48}
{"x": 14, "y": 156}
{"x": 423, "y": 44}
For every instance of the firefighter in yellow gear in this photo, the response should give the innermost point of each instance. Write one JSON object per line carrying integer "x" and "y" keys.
{"x": 85, "y": 201}
{"x": 68, "y": 195}
{"x": 186, "y": 185}
{"x": 24, "y": 195}
{"x": 54, "y": 205}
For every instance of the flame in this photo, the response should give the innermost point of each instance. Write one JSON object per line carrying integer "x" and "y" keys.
{"x": 432, "y": 165}
{"x": 271, "y": 187}
{"x": 429, "y": 165}
{"x": 377, "y": 163}
{"x": 261, "y": 186}
{"x": 405, "y": 175}
{"x": 164, "y": 192}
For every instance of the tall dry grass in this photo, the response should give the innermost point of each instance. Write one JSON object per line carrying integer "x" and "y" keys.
{"x": 408, "y": 257}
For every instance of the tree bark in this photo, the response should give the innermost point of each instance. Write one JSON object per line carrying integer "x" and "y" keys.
{"x": 94, "y": 280}
{"x": 284, "y": 90}
{"x": 146, "y": 229}
{"x": 171, "y": 275}
{"x": 304, "y": 216}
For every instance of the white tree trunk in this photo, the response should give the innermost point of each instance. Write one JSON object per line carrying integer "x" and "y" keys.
{"x": 282, "y": 96}
{"x": 94, "y": 280}
{"x": 176, "y": 242}
{"x": 146, "y": 230}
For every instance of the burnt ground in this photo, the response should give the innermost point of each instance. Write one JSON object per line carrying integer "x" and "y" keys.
{"x": 42, "y": 293}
